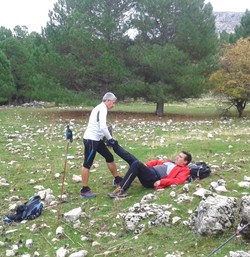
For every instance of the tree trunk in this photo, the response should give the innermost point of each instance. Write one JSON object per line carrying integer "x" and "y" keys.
{"x": 240, "y": 105}
{"x": 159, "y": 109}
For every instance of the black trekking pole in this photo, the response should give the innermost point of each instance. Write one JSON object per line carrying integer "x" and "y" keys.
{"x": 237, "y": 233}
{"x": 69, "y": 138}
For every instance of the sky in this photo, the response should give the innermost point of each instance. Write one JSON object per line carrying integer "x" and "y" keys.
{"x": 34, "y": 13}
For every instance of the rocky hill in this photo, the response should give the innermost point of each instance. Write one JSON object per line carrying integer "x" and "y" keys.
{"x": 227, "y": 21}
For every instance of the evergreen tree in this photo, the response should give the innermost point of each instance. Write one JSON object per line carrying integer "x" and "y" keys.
{"x": 242, "y": 30}
{"x": 91, "y": 38}
{"x": 21, "y": 68}
{"x": 7, "y": 86}
{"x": 176, "y": 28}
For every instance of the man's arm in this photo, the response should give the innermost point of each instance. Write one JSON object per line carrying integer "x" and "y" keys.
{"x": 103, "y": 123}
{"x": 153, "y": 163}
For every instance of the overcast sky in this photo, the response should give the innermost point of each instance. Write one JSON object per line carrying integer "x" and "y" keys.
{"x": 34, "y": 13}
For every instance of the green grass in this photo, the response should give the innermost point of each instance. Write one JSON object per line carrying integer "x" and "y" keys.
{"x": 33, "y": 146}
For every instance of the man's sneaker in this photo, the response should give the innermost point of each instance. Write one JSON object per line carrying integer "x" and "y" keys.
{"x": 87, "y": 193}
{"x": 116, "y": 181}
{"x": 118, "y": 193}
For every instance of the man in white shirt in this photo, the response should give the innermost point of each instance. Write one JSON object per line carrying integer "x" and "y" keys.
{"x": 93, "y": 142}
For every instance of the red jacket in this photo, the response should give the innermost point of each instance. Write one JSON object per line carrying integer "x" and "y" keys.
{"x": 178, "y": 175}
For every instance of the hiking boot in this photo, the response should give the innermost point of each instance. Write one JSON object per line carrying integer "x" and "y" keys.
{"x": 86, "y": 192}
{"x": 118, "y": 193}
{"x": 116, "y": 181}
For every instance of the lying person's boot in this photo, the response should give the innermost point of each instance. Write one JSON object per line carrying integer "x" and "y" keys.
{"x": 86, "y": 192}
{"x": 118, "y": 193}
{"x": 116, "y": 181}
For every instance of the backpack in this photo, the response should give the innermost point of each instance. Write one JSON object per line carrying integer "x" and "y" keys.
{"x": 198, "y": 170}
{"x": 28, "y": 211}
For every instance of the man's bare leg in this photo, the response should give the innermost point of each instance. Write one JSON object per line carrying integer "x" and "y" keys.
{"x": 85, "y": 176}
{"x": 85, "y": 191}
{"x": 113, "y": 169}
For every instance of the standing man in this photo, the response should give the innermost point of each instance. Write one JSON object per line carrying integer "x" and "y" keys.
{"x": 93, "y": 142}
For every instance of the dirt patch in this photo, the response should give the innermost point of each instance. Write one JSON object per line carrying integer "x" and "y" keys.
{"x": 123, "y": 116}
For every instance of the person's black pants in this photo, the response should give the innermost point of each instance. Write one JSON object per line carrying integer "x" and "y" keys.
{"x": 147, "y": 176}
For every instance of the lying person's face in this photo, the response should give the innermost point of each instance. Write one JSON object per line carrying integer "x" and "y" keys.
{"x": 180, "y": 159}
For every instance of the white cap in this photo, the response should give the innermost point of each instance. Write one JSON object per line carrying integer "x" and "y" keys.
{"x": 109, "y": 96}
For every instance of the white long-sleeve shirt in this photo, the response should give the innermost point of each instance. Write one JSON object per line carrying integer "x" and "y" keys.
{"x": 97, "y": 125}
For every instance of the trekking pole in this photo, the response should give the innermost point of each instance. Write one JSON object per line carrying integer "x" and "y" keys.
{"x": 69, "y": 137}
{"x": 229, "y": 239}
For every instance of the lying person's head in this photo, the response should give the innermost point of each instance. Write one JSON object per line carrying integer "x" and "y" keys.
{"x": 183, "y": 158}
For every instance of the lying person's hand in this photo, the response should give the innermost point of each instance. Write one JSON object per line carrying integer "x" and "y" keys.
{"x": 157, "y": 183}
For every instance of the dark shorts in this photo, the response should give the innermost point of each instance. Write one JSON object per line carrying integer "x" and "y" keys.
{"x": 92, "y": 147}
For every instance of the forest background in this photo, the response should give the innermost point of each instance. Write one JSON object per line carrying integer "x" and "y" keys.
{"x": 160, "y": 51}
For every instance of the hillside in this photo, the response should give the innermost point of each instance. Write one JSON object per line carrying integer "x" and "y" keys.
{"x": 227, "y": 21}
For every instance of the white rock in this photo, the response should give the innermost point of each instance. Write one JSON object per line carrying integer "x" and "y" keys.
{"x": 73, "y": 215}
{"x": 10, "y": 253}
{"x": 32, "y": 182}
{"x": 239, "y": 254}
{"x": 12, "y": 207}
{"x": 45, "y": 192}
{"x": 3, "y": 182}
{"x": 244, "y": 184}
{"x": 64, "y": 198}
{"x": 29, "y": 243}
{"x": 81, "y": 253}
{"x": 77, "y": 224}
{"x": 148, "y": 197}
{"x": 175, "y": 219}
{"x": 49, "y": 198}
{"x": 201, "y": 192}
{"x": 183, "y": 198}
{"x": 14, "y": 249}
{"x": 95, "y": 243}
{"x": 76, "y": 178}
{"x": 59, "y": 231}
{"x": 57, "y": 175}
{"x": 33, "y": 228}
{"x": 219, "y": 189}
{"x": 185, "y": 188}
{"x": 221, "y": 182}
{"x": 213, "y": 185}
{"x": 209, "y": 135}
{"x": 10, "y": 231}
{"x": 61, "y": 252}
{"x": 84, "y": 238}
{"x": 246, "y": 178}
{"x": 14, "y": 198}
{"x": 172, "y": 194}
{"x": 39, "y": 187}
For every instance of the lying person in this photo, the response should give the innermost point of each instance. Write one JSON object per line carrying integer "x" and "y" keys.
{"x": 154, "y": 174}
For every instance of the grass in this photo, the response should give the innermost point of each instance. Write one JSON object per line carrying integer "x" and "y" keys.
{"x": 32, "y": 146}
